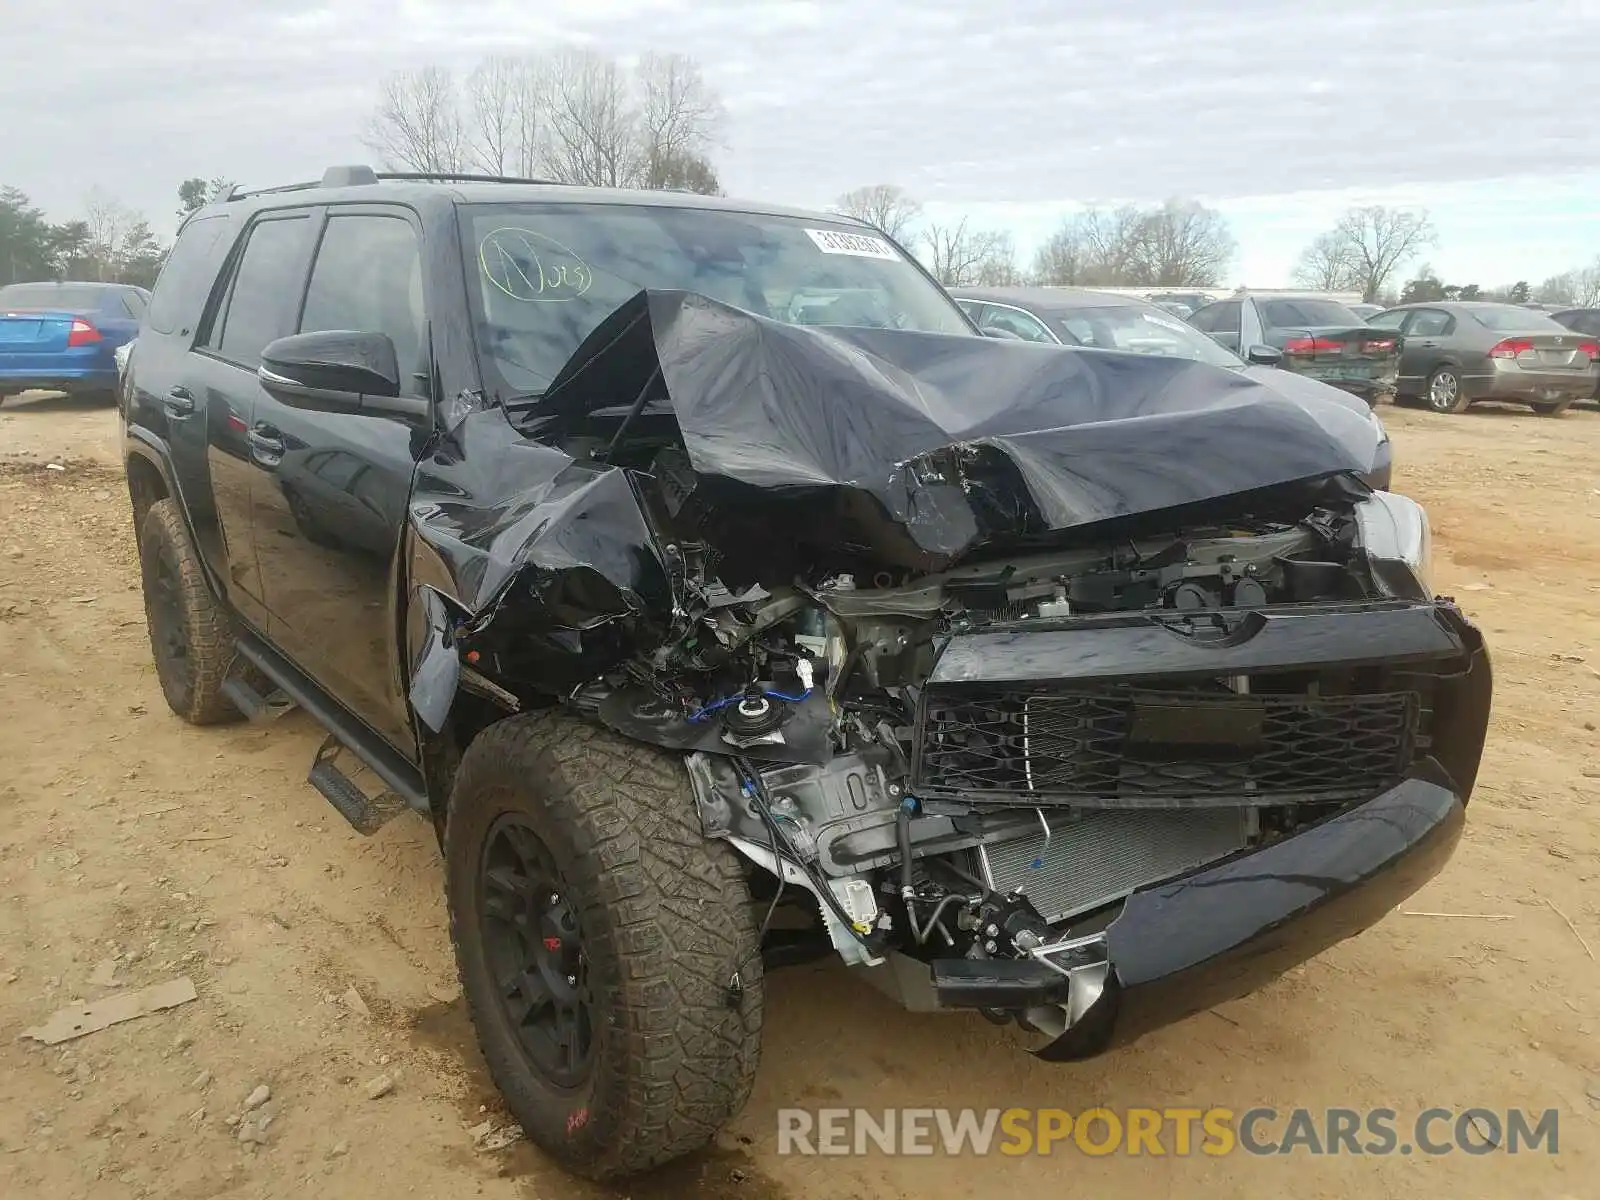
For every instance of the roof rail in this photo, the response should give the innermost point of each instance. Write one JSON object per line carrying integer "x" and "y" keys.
{"x": 358, "y": 175}
{"x": 459, "y": 177}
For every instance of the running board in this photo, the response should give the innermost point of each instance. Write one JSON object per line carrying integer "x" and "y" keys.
{"x": 366, "y": 814}
{"x": 397, "y": 774}
{"x": 258, "y": 709}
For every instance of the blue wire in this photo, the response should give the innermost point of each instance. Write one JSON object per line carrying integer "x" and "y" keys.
{"x": 700, "y": 714}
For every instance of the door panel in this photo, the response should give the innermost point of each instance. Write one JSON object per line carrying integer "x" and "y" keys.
{"x": 258, "y": 305}
{"x": 1423, "y": 343}
{"x": 329, "y": 490}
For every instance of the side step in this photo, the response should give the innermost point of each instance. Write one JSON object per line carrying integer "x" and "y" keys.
{"x": 257, "y": 708}
{"x": 366, "y": 814}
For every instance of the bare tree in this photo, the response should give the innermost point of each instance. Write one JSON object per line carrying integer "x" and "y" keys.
{"x": 960, "y": 256}
{"x": 1182, "y": 243}
{"x": 1558, "y": 289}
{"x": 502, "y": 124}
{"x": 1325, "y": 265}
{"x": 680, "y": 116}
{"x": 1062, "y": 259}
{"x": 417, "y": 124}
{"x": 1586, "y": 285}
{"x": 572, "y": 115}
{"x": 593, "y": 126}
{"x": 108, "y": 222}
{"x": 1378, "y": 240}
{"x": 884, "y": 206}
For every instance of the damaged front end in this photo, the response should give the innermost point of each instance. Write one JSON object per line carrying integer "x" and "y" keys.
{"x": 1084, "y": 690}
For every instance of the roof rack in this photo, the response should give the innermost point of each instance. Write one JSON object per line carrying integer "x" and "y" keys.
{"x": 359, "y": 175}
{"x": 460, "y": 177}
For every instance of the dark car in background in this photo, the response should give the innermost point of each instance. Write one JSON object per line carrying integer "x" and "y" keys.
{"x": 1317, "y": 337}
{"x": 1110, "y": 321}
{"x": 63, "y": 337}
{"x": 1581, "y": 320}
{"x": 1462, "y": 351}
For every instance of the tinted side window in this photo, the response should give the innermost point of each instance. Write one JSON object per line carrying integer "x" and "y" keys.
{"x": 1227, "y": 317}
{"x": 1389, "y": 320}
{"x": 1022, "y": 324}
{"x": 266, "y": 290}
{"x": 1204, "y": 319}
{"x": 186, "y": 278}
{"x": 368, "y": 279}
{"x": 1429, "y": 322}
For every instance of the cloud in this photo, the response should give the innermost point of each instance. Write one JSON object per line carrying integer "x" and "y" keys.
{"x": 1032, "y": 104}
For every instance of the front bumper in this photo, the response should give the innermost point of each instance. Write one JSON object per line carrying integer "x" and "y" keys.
{"x": 1221, "y": 931}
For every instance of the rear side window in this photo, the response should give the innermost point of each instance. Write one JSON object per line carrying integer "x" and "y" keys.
{"x": 266, "y": 290}
{"x": 1429, "y": 322}
{"x": 1225, "y": 317}
{"x": 67, "y": 296}
{"x": 368, "y": 279}
{"x": 186, "y": 279}
{"x": 1282, "y": 314}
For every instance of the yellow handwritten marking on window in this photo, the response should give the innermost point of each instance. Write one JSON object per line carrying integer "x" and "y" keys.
{"x": 530, "y": 266}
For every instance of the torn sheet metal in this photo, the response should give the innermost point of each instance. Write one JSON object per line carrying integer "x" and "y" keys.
{"x": 810, "y": 449}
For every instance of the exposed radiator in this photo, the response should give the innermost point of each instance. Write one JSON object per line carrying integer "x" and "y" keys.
{"x": 1103, "y": 856}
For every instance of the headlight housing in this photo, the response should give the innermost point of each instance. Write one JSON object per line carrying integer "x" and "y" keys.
{"x": 1395, "y": 534}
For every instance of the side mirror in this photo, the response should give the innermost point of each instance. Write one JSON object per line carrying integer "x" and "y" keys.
{"x": 337, "y": 371}
{"x": 1265, "y": 356}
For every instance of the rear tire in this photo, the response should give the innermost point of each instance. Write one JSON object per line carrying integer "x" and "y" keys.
{"x": 1444, "y": 394}
{"x": 1552, "y": 410}
{"x": 598, "y": 933}
{"x": 191, "y": 635}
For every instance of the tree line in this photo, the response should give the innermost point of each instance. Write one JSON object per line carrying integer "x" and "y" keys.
{"x": 568, "y": 116}
{"x": 109, "y": 243}
{"x": 580, "y": 117}
{"x": 1178, "y": 243}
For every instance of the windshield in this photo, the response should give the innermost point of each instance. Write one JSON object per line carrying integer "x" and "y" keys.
{"x": 1142, "y": 331}
{"x": 65, "y": 297}
{"x": 1285, "y": 314}
{"x": 544, "y": 275}
{"x": 1508, "y": 318}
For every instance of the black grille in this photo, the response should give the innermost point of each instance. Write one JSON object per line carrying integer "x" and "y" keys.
{"x": 1128, "y": 745}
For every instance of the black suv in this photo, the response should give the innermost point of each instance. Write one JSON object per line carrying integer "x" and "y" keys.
{"x": 723, "y": 599}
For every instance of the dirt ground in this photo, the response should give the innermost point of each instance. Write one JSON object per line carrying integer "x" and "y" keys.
{"x": 134, "y": 848}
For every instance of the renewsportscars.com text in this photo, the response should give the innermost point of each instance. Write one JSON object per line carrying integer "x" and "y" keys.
{"x": 1166, "y": 1131}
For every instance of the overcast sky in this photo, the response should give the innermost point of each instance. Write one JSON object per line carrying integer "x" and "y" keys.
{"x": 1013, "y": 110}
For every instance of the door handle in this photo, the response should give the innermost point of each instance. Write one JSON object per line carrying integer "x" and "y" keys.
{"x": 265, "y": 444}
{"x": 178, "y": 403}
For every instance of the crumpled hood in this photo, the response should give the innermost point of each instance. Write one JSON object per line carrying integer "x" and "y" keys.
{"x": 807, "y": 450}
{"x": 1046, "y": 438}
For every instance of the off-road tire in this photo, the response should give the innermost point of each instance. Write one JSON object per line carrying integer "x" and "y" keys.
{"x": 190, "y": 680}
{"x": 666, "y": 924}
{"x": 1457, "y": 403}
{"x": 1552, "y": 410}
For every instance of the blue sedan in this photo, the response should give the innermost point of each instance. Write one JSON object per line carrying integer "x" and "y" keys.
{"x": 63, "y": 337}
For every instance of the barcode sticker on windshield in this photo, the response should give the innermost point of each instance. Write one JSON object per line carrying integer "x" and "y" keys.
{"x": 858, "y": 245}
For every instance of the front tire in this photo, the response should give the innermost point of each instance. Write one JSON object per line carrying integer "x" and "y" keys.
{"x": 607, "y": 950}
{"x": 191, "y": 635}
{"x": 1444, "y": 394}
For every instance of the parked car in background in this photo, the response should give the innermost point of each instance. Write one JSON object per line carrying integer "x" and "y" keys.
{"x": 1316, "y": 337}
{"x": 1365, "y": 311}
{"x": 1459, "y": 352}
{"x": 63, "y": 337}
{"x": 1581, "y": 320}
{"x": 1109, "y": 321}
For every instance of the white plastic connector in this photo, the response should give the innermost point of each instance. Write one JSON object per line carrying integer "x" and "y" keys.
{"x": 806, "y": 672}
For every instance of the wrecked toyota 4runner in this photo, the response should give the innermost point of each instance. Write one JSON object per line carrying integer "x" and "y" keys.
{"x": 739, "y": 603}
